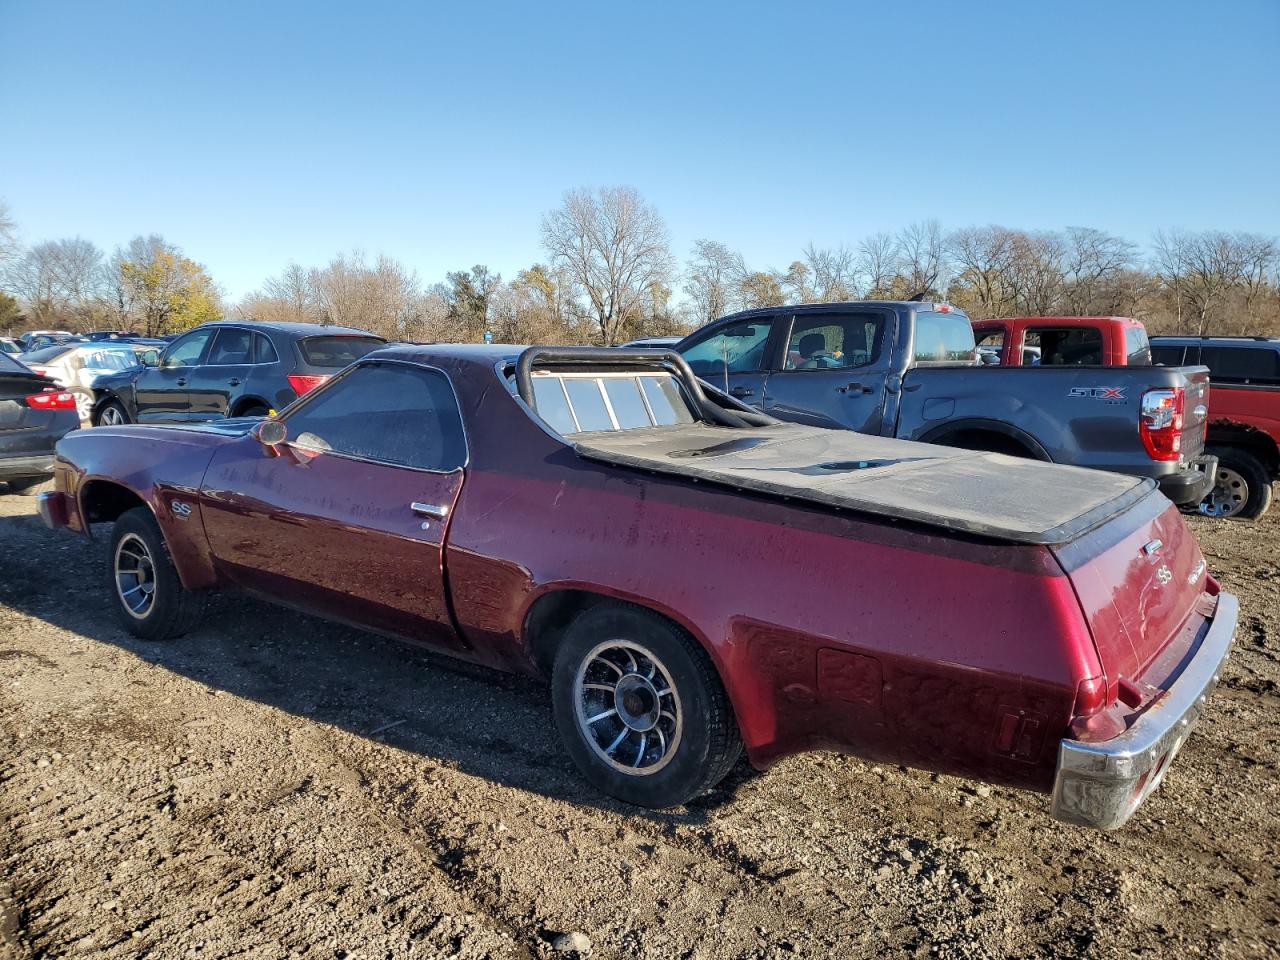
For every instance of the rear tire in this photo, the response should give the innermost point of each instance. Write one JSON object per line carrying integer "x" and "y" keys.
{"x": 151, "y": 601}
{"x": 640, "y": 707}
{"x": 110, "y": 414}
{"x": 1242, "y": 489}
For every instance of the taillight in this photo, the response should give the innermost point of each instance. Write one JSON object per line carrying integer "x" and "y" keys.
{"x": 1160, "y": 423}
{"x": 1091, "y": 696}
{"x": 302, "y": 383}
{"x": 52, "y": 400}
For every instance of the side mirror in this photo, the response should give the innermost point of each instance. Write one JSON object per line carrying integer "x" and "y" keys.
{"x": 149, "y": 358}
{"x": 270, "y": 432}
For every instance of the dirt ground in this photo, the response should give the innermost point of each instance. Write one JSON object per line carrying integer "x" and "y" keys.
{"x": 275, "y": 786}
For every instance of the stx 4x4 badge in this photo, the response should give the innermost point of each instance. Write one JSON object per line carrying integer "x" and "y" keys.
{"x": 1097, "y": 393}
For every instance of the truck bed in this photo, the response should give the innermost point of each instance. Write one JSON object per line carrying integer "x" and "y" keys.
{"x": 986, "y": 494}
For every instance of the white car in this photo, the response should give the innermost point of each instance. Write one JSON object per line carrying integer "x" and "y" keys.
{"x": 76, "y": 365}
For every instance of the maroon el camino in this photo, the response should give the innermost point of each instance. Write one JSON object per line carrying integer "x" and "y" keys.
{"x": 694, "y": 577}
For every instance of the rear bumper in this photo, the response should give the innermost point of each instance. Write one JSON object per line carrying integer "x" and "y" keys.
{"x": 1188, "y": 487}
{"x": 20, "y": 468}
{"x": 1102, "y": 784}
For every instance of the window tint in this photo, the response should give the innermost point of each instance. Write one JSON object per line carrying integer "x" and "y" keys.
{"x": 740, "y": 348}
{"x": 1167, "y": 356}
{"x": 1242, "y": 364}
{"x": 1071, "y": 347}
{"x": 387, "y": 412}
{"x": 185, "y": 351}
{"x": 943, "y": 338}
{"x": 831, "y": 342}
{"x": 263, "y": 350}
{"x": 230, "y": 347}
{"x": 336, "y": 351}
{"x": 1137, "y": 347}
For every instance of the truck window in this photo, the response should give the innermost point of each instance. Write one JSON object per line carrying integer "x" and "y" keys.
{"x": 1242, "y": 364}
{"x": 1066, "y": 347}
{"x": 1137, "y": 347}
{"x": 1168, "y": 356}
{"x": 830, "y": 342}
{"x": 943, "y": 338}
{"x": 740, "y": 348}
{"x": 580, "y": 402}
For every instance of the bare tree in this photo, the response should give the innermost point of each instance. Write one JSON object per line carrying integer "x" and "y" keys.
{"x": 1202, "y": 269}
{"x": 982, "y": 255}
{"x": 1035, "y": 274}
{"x": 877, "y": 264}
{"x": 921, "y": 258}
{"x": 8, "y": 234}
{"x": 711, "y": 280}
{"x": 294, "y": 294}
{"x": 615, "y": 247}
{"x": 834, "y": 273}
{"x": 1258, "y": 258}
{"x": 1095, "y": 264}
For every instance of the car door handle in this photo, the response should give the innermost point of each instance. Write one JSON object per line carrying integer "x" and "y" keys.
{"x": 181, "y": 381}
{"x": 741, "y": 392}
{"x": 234, "y": 382}
{"x": 855, "y": 388}
{"x": 437, "y": 511}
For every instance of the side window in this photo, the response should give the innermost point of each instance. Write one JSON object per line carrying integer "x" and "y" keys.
{"x": 389, "y": 412}
{"x": 832, "y": 342}
{"x": 739, "y": 348}
{"x": 1242, "y": 364}
{"x": 263, "y": 350}
{"x": 1073, "y": 347}
{"x": 1168, "y": 356}
{"x": 1137, "y": 347}
{"x": 943, "y": 338}
{"x": 990, "y": 338}
{"x": 231, "y": 346}
{"x": 186, "y": 351}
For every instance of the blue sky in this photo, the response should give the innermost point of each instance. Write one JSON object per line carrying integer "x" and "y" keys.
{"x": 252, "y": 134}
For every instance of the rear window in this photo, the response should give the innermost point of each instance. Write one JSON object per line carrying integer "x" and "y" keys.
{"x": 46, "y": 354}
{"x": 577, "y": 403}
{"x": 336, "y": 351}
{"x": 1137, "y": 347}
{"x": 1066, "y": 346}
{"x": 944, "y": 338}
{"x": 1168, "y": 356}
{"x": 1242, "y": 364}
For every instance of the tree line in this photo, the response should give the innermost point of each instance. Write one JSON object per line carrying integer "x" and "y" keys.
{"x": 609, "y": 275}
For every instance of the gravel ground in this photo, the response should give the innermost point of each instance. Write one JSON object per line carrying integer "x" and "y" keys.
{"x": 275, "y": 786}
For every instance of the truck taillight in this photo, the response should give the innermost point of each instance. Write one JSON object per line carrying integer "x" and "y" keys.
{"x": 302, "y": 383}
{"x": 52, "y": 400}
{"x": 1160, "y": 422}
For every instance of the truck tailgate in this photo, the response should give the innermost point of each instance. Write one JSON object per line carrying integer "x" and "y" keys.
{"x": 1138, "y": 579}
{"x": 987, "y": 494}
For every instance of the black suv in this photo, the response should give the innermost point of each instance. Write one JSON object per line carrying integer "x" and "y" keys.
{"x": 228, "y": 369}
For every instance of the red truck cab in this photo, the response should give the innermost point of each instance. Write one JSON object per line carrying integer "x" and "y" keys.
{"x": 1064, "y": 341}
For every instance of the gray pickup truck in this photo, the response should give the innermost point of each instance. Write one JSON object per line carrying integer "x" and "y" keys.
{"x": 909, "y": 370}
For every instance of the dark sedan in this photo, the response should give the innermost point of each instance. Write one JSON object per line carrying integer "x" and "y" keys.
{"x": 35, "y": 413}
{"x": 228, "y": 369}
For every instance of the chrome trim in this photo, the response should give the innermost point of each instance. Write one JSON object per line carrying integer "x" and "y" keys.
{"x": 436, "y": 511}
{"x": 1102, "y": 784}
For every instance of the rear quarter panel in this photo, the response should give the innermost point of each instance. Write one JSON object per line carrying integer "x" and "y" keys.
{"x": 161, "y": 466}
{"x": 1074, "y": 413}
{"x": 1253, "y": 405}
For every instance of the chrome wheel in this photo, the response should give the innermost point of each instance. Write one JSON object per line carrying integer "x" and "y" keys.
{"x": 627, "y": 709}
{"x": 1229, "y": 495}
{"x": 84, "y": 405}
{"x": 111, "y": 416}
{"x": 135, "y": 576}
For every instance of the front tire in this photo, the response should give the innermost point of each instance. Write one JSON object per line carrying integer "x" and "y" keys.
{"x": 1242, "y": 488}
{"x": 640, "y": 707}
{"x": 150, "y": 599}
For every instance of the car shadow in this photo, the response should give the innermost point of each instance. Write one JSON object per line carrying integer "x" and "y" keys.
{"x": 481, "y": 721}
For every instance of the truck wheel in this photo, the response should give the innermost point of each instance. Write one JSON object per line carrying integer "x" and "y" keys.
{"x": 111, "y": 414}
{"x": 1243, "y": 487}
{"x": 150, "y": 599}
{"x": 640, "y": 707}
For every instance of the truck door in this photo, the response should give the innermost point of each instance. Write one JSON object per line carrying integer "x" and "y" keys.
{"x": 734, "y": 357}
{"x": 833, "y": 370}
{"x": 348, "y": 516}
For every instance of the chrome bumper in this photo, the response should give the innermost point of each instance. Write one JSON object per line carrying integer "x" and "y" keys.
{"x": 1102, "y": 784}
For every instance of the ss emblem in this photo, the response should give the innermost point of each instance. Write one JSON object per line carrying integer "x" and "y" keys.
{"x": 181, "y": 509}
{"x": 1164, "y": 575}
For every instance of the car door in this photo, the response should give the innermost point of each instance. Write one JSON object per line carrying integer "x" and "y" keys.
{"x": 160, "y": 392}
{"x": 216, "y": 382}
{"x": 833, "y": 370}
{"x": 734, "y": 356}
{"x": 348, "y": 516}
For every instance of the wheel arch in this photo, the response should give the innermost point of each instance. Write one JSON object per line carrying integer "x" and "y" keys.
{"x": 244, "y": 403}
{"x": 976, "y": 428}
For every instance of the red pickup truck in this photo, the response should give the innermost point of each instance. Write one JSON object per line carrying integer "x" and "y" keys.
{"x": 694, "y": 576}
{"x": 1064, "y": 341}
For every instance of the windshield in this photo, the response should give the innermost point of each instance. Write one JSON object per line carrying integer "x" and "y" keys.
{"x": 109, "y": 358}
{"x": 944, "y": 338}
